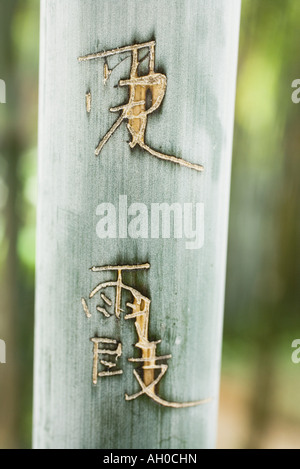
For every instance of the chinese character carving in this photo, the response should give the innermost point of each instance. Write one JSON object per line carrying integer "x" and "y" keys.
{"x": 135, "y": 112}
{"x": 152, "y": 366}
{"x": 109, "y": 371}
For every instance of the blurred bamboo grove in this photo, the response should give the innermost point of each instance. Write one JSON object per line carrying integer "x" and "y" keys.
{"x": 260, "y": 404}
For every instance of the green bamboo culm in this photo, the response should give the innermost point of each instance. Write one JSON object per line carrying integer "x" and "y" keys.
{"x": 135, "y": 141}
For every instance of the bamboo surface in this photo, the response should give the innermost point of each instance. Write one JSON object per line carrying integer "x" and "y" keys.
{"x": 196, "y": 44}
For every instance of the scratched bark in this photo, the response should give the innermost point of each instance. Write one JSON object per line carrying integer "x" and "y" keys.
{"x": 196, "y": 49}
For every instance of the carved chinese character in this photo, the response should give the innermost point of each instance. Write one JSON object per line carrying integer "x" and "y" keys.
{"x": 136, "y": 111}
{"x": 109, "y": 365}
{"x": 152, "y": 366}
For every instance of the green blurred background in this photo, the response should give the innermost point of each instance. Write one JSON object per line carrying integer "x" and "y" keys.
{"x": 260, "y": 405}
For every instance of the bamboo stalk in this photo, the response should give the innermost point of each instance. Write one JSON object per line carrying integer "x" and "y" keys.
{"x": 127, "y": 354}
